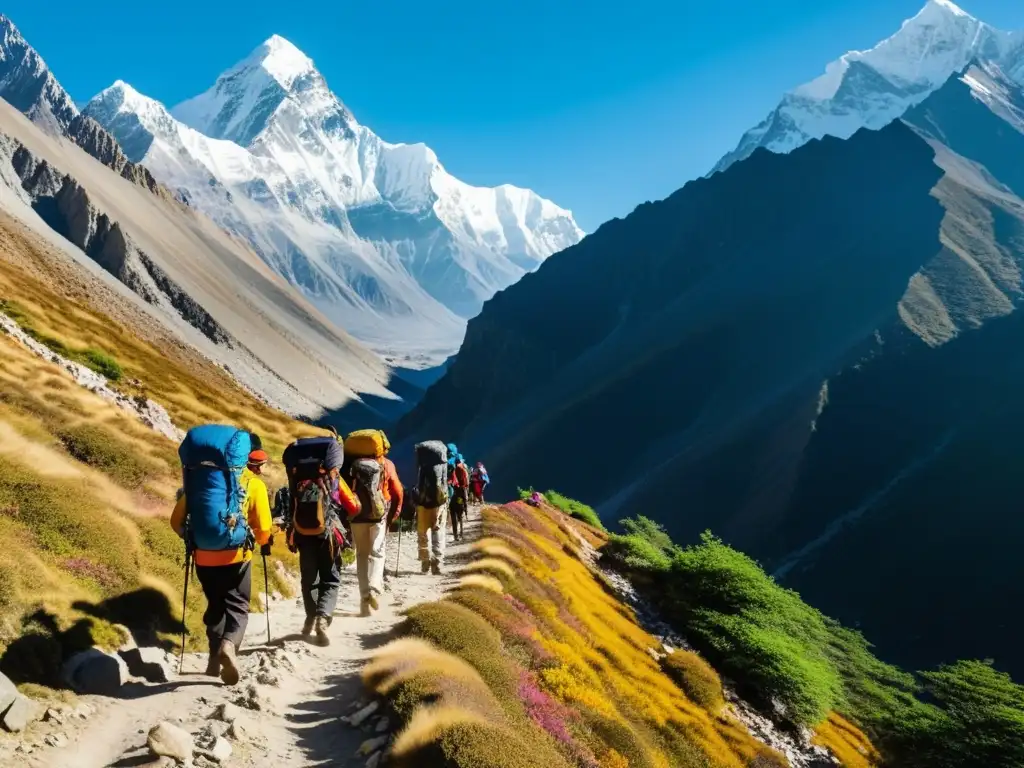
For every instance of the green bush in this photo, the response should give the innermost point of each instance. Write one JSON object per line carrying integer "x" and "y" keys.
{"x": 699, "y": 681}
{"x": 574, "y": 508}
{"x": 101, "y": 448}
{"x": 101, "y": 362}
{"x": 645, "y": 547}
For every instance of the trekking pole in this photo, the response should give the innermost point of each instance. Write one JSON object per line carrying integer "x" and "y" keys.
{"x": 184, "y": 607}
{"x": 266, "y": 591}
{"x": 398, "y": 559}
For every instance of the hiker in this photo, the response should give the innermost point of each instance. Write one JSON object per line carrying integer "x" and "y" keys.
{"x": 536, "y": 499}
{"x": 478, "y": 482}
{"x": 220, "y": 545}
{"x": 459, "y": 480}
{"x": 375, "y": 481}
{"x": 431, "y": 494}
{"x": 317, "y": 499}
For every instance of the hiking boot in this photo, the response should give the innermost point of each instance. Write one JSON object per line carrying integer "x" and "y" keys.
{"x": 228, "y": 667}
{"x": 372, "y": 600}
{"x": 320, "y": 627}
{"x": 365, "y": 610}
{"x": 435, "y": 568}
{"x": 212, "y": 666}
{"x": 307, "y": 626}
{"x": 425, "y": 566}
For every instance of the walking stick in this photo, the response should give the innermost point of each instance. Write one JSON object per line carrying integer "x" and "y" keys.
{"x": 184, "y": 606}
{"x": 398, "y": 559}
{"x": 266, "y": 591}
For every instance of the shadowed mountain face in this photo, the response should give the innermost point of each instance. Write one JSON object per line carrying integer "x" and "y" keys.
{"x": 812, "y": 354}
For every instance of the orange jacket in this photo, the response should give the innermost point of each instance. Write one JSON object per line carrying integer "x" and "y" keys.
{"x": 393, "y": 490}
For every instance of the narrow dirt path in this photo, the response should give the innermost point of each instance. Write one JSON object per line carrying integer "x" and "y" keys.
{"x": 292, "y": 694}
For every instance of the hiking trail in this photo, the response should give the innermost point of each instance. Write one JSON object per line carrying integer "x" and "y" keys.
{"x": 291, "y": 700}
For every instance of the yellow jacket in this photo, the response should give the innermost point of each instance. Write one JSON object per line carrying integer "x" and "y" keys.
{"x": 258, "y": 514}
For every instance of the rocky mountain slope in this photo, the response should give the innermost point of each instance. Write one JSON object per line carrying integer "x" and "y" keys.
{"x": 825, "y": 386}
{"x": 214, "y": 292}
{"x": 379, "y": 236}
{"x": 871, "y": 88}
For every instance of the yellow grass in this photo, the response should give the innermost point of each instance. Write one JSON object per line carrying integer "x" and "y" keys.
{"x": 427, "y": 724}
{"x": 847, "y": 742}
{"x": 490, "y": 565}
{"x": 480, "y": 581}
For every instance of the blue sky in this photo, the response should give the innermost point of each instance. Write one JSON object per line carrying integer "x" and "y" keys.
{"x": 599, "y": 106}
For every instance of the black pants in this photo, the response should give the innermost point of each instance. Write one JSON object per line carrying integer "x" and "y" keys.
{"x": 458, "y": 512}
{"x": 320, "y": 569}
{"x": 228, "y": 589}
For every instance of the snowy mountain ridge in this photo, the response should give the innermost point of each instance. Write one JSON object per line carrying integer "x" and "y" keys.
{"x": 380, "y": 236}
{"x": 874, "y": 87}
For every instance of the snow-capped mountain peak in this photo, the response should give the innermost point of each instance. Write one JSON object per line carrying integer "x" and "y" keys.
{"x": 379, "y": 235}
{"x": 871, "y": 88}
{"x": 281, "y": 60}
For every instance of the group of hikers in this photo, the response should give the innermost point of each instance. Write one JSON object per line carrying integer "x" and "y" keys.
{"x": 339, "y": 494}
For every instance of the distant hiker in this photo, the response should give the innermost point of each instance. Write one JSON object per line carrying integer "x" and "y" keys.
{"x": 432, "y": 503}
{"x": 318, "y": 496}
{"x": 459, "y": 481}
{"x": 375, "y": 482}
{"x": 536, "y": 499}
{"x": 218, "y": 463}
{"x": 478, "y": 482}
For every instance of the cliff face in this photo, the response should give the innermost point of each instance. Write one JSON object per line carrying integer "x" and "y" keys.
{"x": 811, "y": 354}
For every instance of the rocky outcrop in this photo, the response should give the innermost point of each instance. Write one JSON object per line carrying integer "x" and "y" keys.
{"x": 98, "y": 142}
{"x": 66, "y": 207}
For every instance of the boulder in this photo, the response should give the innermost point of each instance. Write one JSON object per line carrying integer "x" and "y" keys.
{"x": 221, "y": 750}
{"x": 95, "y": 672}
{"x": 363, "y": 714}
{"x": 374, "y": 760}
{"x": 171, "y": 741}
{"x": 151, "y": 664}
{"x": 19, "y": 714}
{"x": 8, "y": 693}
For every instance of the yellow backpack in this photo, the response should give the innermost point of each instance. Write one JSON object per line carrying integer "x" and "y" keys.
{"x": 366, "y": 444}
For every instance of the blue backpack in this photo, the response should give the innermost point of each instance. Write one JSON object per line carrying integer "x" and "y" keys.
{"x": 213, "y": 458}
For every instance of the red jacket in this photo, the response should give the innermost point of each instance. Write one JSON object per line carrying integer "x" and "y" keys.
{"x": 393, "y": 490}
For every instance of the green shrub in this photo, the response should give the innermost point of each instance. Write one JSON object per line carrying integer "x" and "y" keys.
{"x": 574, "y": 508}
{"x": 101, "y": 448}
{"x": 644, "y": 547}
{"x": 101, "y": 362}
{"x": 699, "y": 681}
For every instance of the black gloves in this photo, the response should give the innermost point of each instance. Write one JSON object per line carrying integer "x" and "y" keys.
{"x": 265, "y": 549}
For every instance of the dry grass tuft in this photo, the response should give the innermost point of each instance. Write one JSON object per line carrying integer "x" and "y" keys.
{"x": 481, "y": 581}
{"x": 847, "y": 742}
{"x": 492, "y": 547}
{"x": 427, "y": 725}
{"x": 489, "y": 565}
{"x": 698, "y": 680}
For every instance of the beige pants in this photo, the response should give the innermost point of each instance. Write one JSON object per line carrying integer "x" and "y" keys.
{"x": 369, "y": 540}
{"x": 431, "y": 533}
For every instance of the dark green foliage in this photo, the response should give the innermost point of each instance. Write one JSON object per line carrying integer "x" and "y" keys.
{"x": 574, "y": 508}
{"x": 644, "y": 547}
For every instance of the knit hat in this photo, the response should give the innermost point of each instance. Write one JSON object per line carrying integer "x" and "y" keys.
{"x": 258, "y": 457}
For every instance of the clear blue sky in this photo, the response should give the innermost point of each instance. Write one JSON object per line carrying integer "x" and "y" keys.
{"x": 597, "y": 105}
